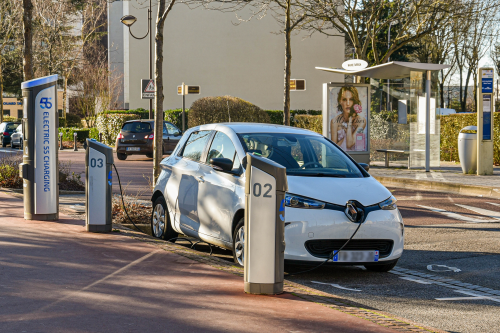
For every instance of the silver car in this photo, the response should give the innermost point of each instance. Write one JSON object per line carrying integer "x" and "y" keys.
{"x": 17, "y": 138}
{"x": 200, "y": 193}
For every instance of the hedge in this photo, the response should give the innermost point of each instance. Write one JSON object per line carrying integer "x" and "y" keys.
{"x": 142, "y": 113}
{"x": 81, "y": 133}
{"x": 276, "y": 116}
{"x": 313, "y": 123}
{"x": 11, "y": 119}
{"x": 450, "y": 128}
{"x": 72, "y": 120}
{"x": 110, "y": 124}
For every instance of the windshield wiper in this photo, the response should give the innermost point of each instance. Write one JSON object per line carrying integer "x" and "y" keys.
{"x": 317, "y": 174}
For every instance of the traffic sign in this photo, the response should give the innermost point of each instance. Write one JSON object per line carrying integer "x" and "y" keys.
{"x": 296, "y": 84}
{"x": 188, "y": 90}
{"x": 147, "y": 89}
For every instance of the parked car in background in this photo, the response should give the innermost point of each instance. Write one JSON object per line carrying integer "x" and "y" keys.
{"x": 136, "y": 138}
{"x": 201, "y": 193}
{"x": 17, "y": 137}
{"x": 6, "y": 130}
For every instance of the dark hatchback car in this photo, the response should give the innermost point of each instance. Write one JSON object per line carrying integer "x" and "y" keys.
{"x": 6, "y": 130}
{"x": 136, "y": 138}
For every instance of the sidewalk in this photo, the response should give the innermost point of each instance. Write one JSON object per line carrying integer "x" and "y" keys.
{"x": 55, "y": 277}
{"x": 447, "y": 178}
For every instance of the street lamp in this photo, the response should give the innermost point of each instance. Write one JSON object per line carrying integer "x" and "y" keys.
{"x": 388, "y": 60}
{"x": 129, "y": 20}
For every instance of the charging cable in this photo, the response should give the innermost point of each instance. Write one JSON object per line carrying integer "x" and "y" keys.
{"x": 332, "y": 255}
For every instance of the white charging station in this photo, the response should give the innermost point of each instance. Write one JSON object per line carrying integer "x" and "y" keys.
{"x": 485, "y": 119}
{"x": 98, "y": 186}
{"x": 265, "y": 190}
{"x": 40, "y": 167}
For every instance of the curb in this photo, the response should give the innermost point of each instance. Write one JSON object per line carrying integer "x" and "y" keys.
{"x": 305, "y": 292}
{"x": 20, "y": 191}
{"x": 428, "y": 185}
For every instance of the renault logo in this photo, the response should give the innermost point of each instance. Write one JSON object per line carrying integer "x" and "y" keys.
{"x": 354, "y": 213}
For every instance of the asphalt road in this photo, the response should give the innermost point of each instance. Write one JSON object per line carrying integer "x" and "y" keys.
{"x": 447, "y": 277}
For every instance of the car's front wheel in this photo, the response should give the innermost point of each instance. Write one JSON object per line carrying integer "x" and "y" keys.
{"x": 239, "y": 242}
{"x": 160, "y": 221}
{"x": 381, "y": 268}
{"x": 149, "y": 155}
{"x": 121, "y": 157}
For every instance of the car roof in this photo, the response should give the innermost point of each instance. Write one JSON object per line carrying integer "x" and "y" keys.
{"x": 258, "y": 128}
{"x": 143, "y": 121}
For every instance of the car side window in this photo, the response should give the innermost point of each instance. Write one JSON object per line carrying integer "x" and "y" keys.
{"x": 223, "y": 147}
{"x": 171, "y": 129}
{"x": 195, "y": 145}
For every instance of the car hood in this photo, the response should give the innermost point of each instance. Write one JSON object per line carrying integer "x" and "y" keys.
{"x": 368, "y": 191}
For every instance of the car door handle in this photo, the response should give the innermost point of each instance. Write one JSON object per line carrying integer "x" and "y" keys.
{"x": 200, "y": 179}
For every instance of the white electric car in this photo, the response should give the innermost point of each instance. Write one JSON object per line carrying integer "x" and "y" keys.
{"x": 201, "y": 193}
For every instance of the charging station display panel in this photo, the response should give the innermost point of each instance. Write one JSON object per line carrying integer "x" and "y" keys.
{"x": 46, "y": 152}
{"x": 97, "y": 182}
{"x": 487, "y": 117}
{"x": 262, "y": 230}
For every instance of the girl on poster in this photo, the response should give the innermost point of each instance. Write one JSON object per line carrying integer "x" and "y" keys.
{"x": 344, "y": 126}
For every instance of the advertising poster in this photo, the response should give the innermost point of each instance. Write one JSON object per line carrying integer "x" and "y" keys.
{"x": 347, "y": 116}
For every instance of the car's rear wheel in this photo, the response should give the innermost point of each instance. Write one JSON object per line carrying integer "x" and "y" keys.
{"x": 381, "y": 268}
{"x": 239, "y": 242}
{"x": 160, "y": 221}
{"x": 4, "y": 144}
{"x": 149, "y": 155}
{"x": 121, "y": 156}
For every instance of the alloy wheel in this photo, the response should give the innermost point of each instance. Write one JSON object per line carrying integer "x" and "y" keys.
{"x": 239, "y": 246}
{"x": 158, "y": 220}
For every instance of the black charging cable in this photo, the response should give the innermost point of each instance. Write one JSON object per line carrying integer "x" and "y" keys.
{"x": 333, "y": 254}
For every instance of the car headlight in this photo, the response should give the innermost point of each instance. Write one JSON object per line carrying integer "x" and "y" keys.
{"x": 388, "y": 204}
{"x": 296, "y": 201}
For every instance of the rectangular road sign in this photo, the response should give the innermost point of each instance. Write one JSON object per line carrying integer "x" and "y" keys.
{"x": 188, "y": 90}
{"x": 296, "y": 84}
{"x": 147, "y": 89}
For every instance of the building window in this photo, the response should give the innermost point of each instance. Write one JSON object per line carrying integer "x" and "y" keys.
{"x": 19, "y": 114}
{"x": 60, "y": 113}
{"x": 6, "y": 113}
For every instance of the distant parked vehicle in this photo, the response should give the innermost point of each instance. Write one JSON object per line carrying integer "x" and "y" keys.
{"x": 6, "y": 130}
{"x": 17, "y": 138}
{"x": 445, "y": 112}
{"x": 136, "y": 138}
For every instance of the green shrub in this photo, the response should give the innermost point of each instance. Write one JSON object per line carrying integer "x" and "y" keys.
{"x": 81, "y": 133}
{"x": 8, "y": 118}
{"x": 208, "y": 110}
{"x": 450, "y": 128}
{"x": 110, "y": 124}
{"x": 175, "y": 117}
{"x": 142, "y": 113}
{"x": 313, "y": 123}
{"x": 72, "y": 120}
{"x": 276, "y": 116}
{"x": 62, "y": 122}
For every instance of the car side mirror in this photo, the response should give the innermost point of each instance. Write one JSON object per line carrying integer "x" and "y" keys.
{"x": 365, "y": 166}
{"x": 224, "y": 164}
{"x": 177, "y": 133}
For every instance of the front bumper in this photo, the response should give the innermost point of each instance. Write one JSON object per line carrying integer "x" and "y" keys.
{"x": 304, "y": 225}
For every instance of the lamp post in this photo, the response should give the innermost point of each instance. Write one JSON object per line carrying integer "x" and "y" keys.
{"x": 389, "y": 60}
{"x": 129, "y": 20}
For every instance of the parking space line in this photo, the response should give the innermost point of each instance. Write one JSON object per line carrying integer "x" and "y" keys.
{"x": 486, "y": 212}
{"x": 335, "y": 286}
{"x": 415, "y": 280}
{"x": 458, "y": 216}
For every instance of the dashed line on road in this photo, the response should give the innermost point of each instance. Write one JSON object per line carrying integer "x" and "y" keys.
{"x": 335, "y": 286}
{"x": 460, "y": 217}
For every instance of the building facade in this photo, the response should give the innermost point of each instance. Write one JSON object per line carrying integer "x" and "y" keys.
{"x": 13, "y": 107}
{"x": 222, "y": 55}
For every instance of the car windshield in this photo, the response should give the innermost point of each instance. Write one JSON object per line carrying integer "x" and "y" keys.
{"x": 11, "y": 127}
{"x": 302, "y": 155}
{"x": 136, "y": 127}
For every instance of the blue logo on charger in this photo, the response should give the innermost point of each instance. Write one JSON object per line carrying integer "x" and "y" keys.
{"x": 110, "y": 178}
{"x": 45, "y": 103}
{"x": 282, "y": 209}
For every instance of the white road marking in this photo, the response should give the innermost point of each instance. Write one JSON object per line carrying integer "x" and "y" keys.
{"x": 437, "y": 175}
{"x": 414, "y": 280}
{"x": 472, "y": 296}
{"x": 451, "y": 199}
{"x": 420, "y": 176}
{"x": 336, "y": 286}
{"x": 494, "y": 204}
{"x": 446, "y": 268}
{"x": 458, "y": 216}
{"x": 490, "y": 213}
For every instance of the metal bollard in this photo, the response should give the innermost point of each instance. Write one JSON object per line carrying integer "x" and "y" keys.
{"x": 74, "y": 142}
{"x": 60, "y": 141}
{"x": 100, "y": 137}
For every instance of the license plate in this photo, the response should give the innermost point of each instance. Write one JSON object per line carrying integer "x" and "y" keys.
{"x": 133, "y": 148}
{"x": 356, "y": 256}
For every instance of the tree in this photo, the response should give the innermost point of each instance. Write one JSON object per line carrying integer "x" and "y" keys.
{"x": 163, "y": 11}
{"x": 9, "y": 18}
{"x": 28, "y": 40}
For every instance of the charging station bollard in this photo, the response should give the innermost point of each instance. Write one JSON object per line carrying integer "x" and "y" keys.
{"x": 265, "y": 190}
{"x": 98, "y": 186}
{"x": 75, "y": 148}
{"x": 61, "y": 141}
{"x": 40, "y": 170}
{"x": 100, "y": 137}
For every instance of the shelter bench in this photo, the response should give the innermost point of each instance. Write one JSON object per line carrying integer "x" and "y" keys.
{"x": 389, "y": 151}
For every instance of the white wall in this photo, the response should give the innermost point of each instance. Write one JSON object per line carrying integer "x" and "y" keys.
{"x": 205, "y": 48}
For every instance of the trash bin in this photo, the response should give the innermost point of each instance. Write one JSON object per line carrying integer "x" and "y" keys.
{"x": 467, "y": 149}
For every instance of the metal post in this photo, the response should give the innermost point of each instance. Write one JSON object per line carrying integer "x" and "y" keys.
{"x": 60, "y": 141}
{"x": 150, "y": 61}
{"x": 428, "y": 122}
{"x": 100, "y": 137}
{"x": 75, "y": 148}
{"x": 183, "y": 106}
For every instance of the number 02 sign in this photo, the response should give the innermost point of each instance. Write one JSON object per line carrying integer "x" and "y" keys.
{"x": 257, "y": 190}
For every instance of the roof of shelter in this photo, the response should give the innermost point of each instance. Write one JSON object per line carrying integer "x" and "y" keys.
{"x": 390, "y": 70}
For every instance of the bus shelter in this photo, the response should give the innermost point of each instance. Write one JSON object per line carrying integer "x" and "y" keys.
{"x": 398, "y": 110}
